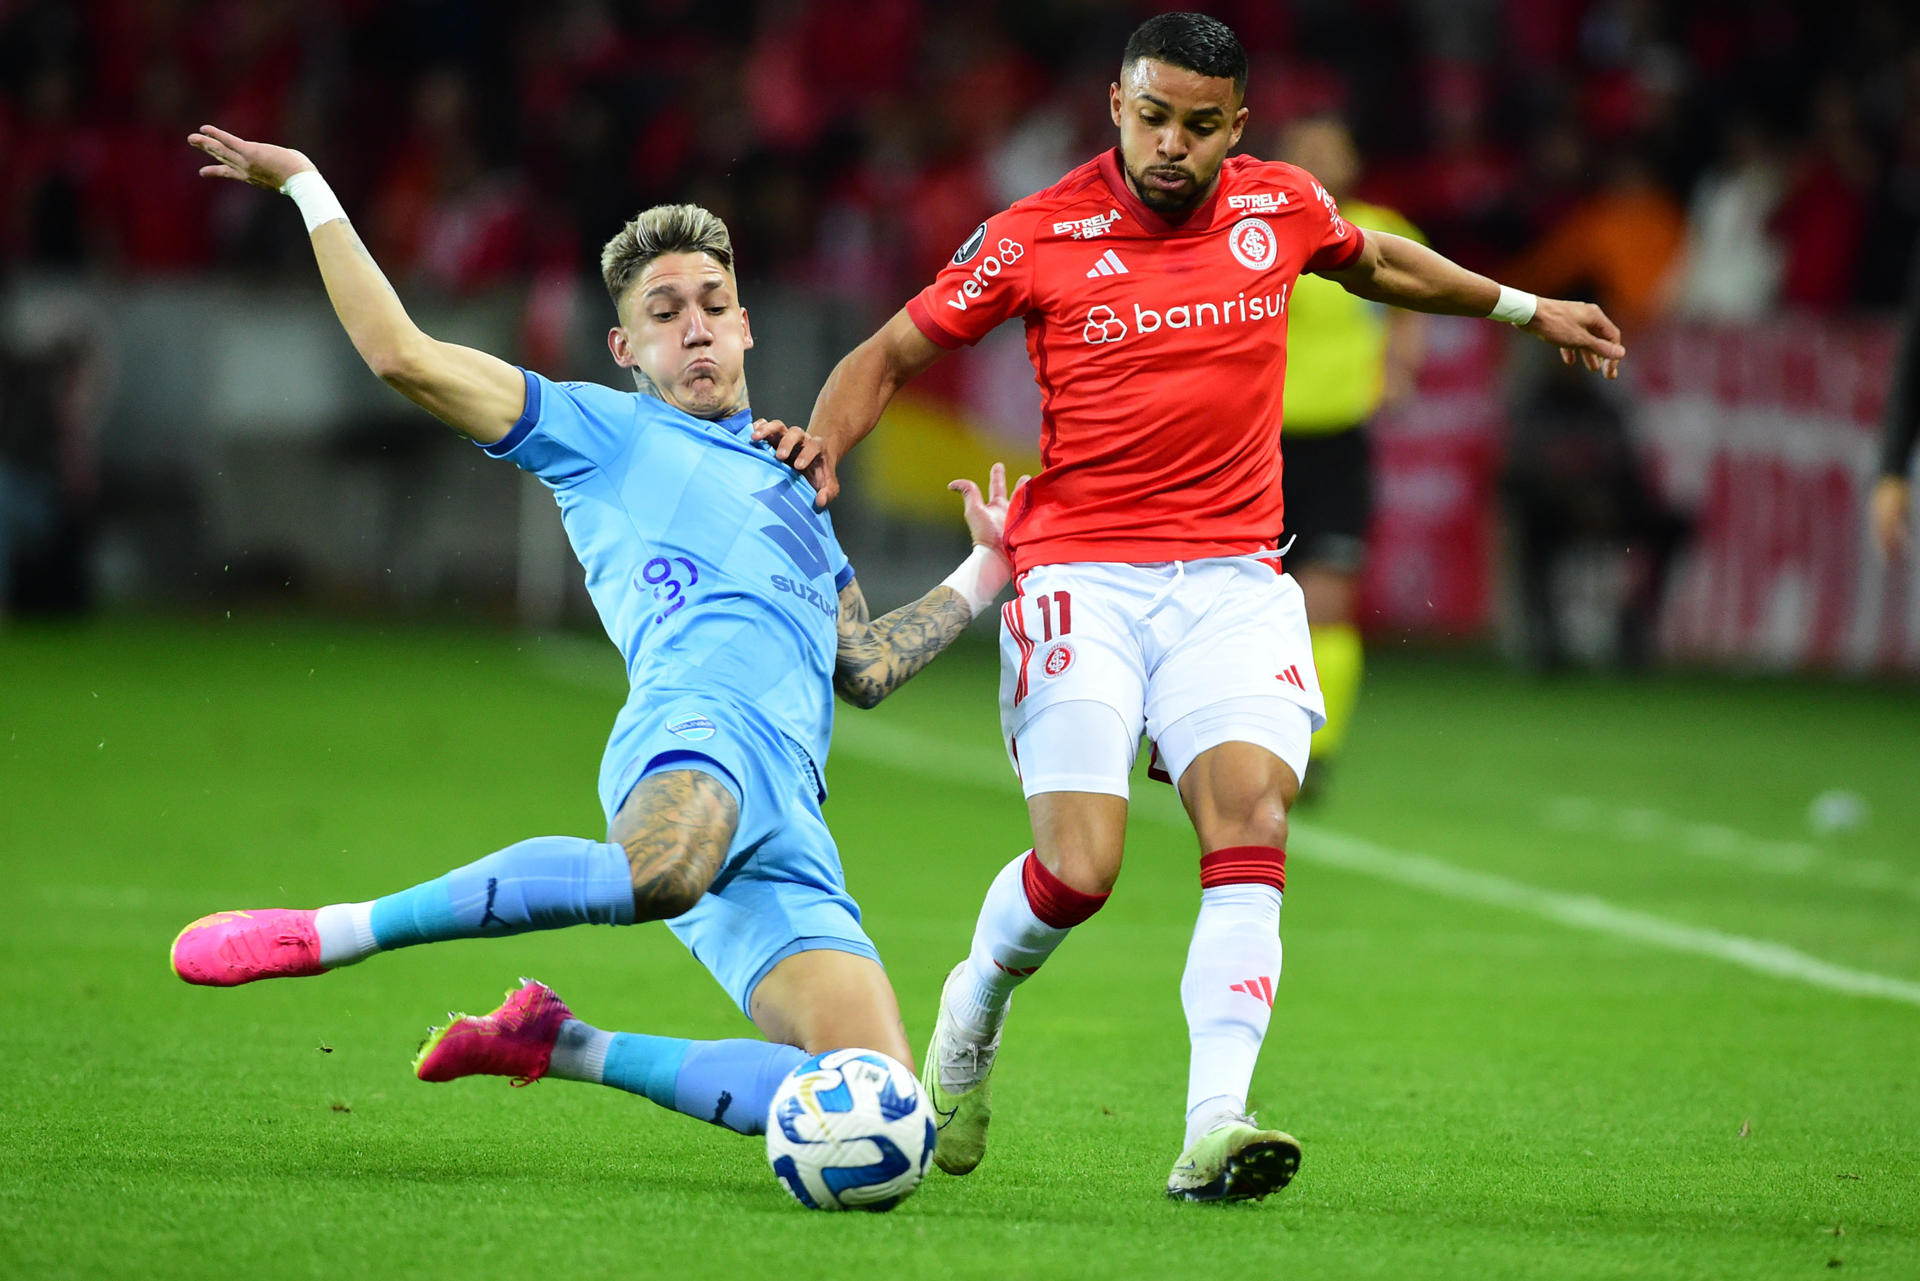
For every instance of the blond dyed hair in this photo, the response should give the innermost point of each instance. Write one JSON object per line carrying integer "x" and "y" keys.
{"x": 657, "y": 232}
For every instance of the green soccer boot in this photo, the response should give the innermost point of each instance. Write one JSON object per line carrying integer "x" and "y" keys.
{"x": 961, "y": 1114}
{"x": 1235, "y": 1161}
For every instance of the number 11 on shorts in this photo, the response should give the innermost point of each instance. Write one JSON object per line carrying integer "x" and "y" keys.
{"x": 1046, "y": 603}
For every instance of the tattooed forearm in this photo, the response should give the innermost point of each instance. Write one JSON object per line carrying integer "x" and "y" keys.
{"x": 877, "y": 658}
{"x": 676, "y": 827}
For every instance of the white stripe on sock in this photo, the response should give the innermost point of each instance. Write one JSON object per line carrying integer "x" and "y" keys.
{"x": 346, "y": 933}
{"x": 580, "y": 1053}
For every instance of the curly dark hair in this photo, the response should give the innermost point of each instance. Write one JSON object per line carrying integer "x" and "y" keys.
{"x": 1191, "y": 41}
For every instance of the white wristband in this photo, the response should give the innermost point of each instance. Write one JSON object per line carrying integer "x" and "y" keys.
{"x": 1515, "y": 306}
{"x": 314, "y": 197}
{"x": 979, "y": 578}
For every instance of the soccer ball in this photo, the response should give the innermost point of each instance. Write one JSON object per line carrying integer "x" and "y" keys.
{"x": 850, "y": 1130}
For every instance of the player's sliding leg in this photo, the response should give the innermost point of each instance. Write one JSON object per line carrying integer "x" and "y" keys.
{"x": 826, "y": 999}
{"x": 809, "y": 1002}
{"x": 1237, "y": 795}
{"x": 668, "y": 843}
{"x": 1030, "y": 906}
{"x": 533, "y": 1034}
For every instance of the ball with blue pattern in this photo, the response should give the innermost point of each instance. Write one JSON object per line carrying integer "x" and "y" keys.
{"x": 850, "y": 1130}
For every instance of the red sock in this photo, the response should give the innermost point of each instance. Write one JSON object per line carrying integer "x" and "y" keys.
{"x": 1244, "y": 865}
{"x": 1054, "y": 901}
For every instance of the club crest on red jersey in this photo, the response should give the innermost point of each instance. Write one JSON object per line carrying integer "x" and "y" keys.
{"x": 1253, "y": 244}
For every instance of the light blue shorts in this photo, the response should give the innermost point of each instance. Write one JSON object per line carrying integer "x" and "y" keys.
{"x": 781, "y": 890}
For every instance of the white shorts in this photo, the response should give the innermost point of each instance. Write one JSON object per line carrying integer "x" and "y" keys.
{"x": 1195, "y": 653}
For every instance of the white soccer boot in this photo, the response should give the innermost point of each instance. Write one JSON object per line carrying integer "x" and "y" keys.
{"x": 961, "y": 1112}
{"x": 1235, "y": 1161}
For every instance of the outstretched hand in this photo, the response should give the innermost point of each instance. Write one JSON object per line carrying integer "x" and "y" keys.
{"x": 260, "y": 163}
{"x": 987, "y": 515}
{"x": 1581, "y": 331}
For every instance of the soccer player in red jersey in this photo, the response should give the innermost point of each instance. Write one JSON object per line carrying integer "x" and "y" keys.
{"x": 1153, "y": 283}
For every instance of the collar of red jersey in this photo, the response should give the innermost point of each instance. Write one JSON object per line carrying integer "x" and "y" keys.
{"x": 1194, "y": 223}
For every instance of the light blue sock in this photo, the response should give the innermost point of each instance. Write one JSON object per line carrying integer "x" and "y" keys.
{"x": 726, "y": 1083}
{"x": 541, "y": 884}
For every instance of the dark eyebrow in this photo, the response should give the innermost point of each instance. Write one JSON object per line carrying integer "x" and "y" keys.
{"x": 706, "y": 287}
{"x": 1168, "y": 107}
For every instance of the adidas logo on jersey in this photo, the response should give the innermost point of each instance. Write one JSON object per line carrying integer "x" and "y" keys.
{"x": 1292, "y": 677}
{"x": 1108, "y": 264}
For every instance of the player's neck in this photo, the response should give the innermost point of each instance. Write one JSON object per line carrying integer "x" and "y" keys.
{"x": 645, "y": 386}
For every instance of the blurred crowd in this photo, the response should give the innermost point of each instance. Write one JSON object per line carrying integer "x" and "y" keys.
{"x": 1713, "y": 158}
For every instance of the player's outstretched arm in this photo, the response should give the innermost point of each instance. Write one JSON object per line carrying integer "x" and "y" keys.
{"x": 852, "y": 399}
{"x": 478, "y": 395}
{"x": 1405, "y": 273}
{"x": 878, "y": 655}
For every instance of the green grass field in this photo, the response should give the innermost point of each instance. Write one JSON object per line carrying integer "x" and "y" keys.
{"x": 1571, "y": 988}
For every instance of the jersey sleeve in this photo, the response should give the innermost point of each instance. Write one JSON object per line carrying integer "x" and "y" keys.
{"x": 567, "y": 431}
{"x": 1337, "y": 242}
{"x": 989, "y": 279}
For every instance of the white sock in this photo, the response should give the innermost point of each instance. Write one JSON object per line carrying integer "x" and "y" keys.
{"x": 580, "y": 1053}
{"x": 1009, "y": 944}
{"x": 1233, "y": 965}
{"x": 346, "y": 933}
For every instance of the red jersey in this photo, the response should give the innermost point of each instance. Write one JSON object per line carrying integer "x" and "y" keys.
{"x": 1160, "y": 350}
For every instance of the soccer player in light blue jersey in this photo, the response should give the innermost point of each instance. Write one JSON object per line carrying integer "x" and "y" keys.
{"x": 738, "y": 616}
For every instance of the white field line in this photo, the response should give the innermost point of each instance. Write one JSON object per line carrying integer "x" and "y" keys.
{"x": 1711, "y": 841}
{"x": 872, "y": 739}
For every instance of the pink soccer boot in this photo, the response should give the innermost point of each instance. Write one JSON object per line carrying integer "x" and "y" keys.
{"x": 515, "y": 1040}
{"x": 227, "y": 949}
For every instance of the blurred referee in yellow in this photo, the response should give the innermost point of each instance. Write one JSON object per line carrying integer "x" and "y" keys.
{"x": 1347, "y": 359}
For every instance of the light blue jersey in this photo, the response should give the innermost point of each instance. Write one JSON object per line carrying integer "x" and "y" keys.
{"x": 705, "y": 557}
{"x": 720, "y": 583}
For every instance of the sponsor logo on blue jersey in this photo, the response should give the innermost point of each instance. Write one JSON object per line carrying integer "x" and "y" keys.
{"x": 812, "y": 595}
{"x": 798, "y": 533}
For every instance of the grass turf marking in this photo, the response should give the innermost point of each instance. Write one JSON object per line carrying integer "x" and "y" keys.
{"x": 884, "y": 744}
{"x": 1714, "y": 842}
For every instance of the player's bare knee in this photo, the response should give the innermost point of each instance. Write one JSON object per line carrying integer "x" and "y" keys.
{"x": 1088, "y": 870}
{"x": 1079, "y": 837}
{"x": 827, "y": 1000}
{"x": 676, "y": 828}
{"x": 1261, "y": 823}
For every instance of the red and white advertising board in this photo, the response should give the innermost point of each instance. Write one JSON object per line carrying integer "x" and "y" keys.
{"x": 1768, "y": 435}
{"x": 1431, "y": 558}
